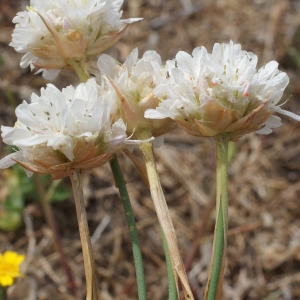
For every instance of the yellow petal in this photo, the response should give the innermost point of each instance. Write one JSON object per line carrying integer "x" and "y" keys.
{"x": 6, "y": 280}
{"x": 13, "y": 258}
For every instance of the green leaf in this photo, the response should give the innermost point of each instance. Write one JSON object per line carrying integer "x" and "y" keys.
{"x": 10, "y": 220}
{"x": 60, "y": 195}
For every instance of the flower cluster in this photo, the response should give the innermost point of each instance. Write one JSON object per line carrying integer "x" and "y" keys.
{"x": 10, "y": 267}
{"x": 208, "y": 94}
{"x": 132, "y": 84}
{"x": 52, "y": 33}
{"x": 221, "y": 94}
{"x": 64, "y": 130}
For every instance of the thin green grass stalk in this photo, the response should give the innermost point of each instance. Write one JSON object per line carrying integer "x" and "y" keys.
{"x": 173, "y": 295}
{"x": 215, "y": 279}
{"x": 3, "y": 293}
{"x": 133, "y": 233}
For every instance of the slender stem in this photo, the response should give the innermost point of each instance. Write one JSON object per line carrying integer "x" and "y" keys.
{"x": 87, "y": 251}
{"x": 215, "y": 279}
{"x": 173, "y": 295}
{"x": 163, "y": 213}
{"x": 50, "y": 218}
{"x": 3, "y": 293}
{"x": 117, "y": 172}
{"x": 133, "y": 233}
{"x": 79, "y": 69}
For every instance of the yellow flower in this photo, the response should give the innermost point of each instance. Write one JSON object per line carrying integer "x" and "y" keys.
{"x": 10, "y": 267}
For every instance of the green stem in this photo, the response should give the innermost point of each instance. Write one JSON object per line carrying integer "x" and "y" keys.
{"x": 3, "y": 294}
{"x": 87, "y": 250}
{"x": 133, "y": 233}
{"x": 173, "y": 295}
{"x": 215, "y": 281}
{"x": 78, "y": 67}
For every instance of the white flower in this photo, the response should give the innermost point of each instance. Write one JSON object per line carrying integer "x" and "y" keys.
{"x": 222, "y": 92}
{"x": 53, "y": 32}
{"x": 132, "y": 84}
{"x": 61, "y": 130}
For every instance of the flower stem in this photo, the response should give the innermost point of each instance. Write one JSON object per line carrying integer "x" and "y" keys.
{"x": 3, "y": 293}
{"x": 163, "y": 214}
{"x": 117, "y": 172}
{"x": 78, "y": 67}
{"x": 215, "y": 280}
{"x": 87, "y": 251}
{"x": 133, "y": 233}
{"x": 173, "y": 295}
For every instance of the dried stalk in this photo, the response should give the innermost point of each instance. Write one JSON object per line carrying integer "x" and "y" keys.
{"x": 87, "y": 251}
{"x": 163, "y": 214}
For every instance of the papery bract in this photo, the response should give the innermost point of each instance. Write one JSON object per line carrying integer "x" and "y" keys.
{"x": 52, "y": 33}
{"x": 208, "y": 94}
{"x": 133, "y": 83}
{"x": 64, "y": 130}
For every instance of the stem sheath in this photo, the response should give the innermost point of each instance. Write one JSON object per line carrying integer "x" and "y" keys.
{"x": 133, "y": 233}
{"x": 163, "y": 214}
{"x": 87, "y": 251}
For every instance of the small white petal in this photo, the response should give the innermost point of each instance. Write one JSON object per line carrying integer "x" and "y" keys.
{"x": 158, "y": 141}
{"x": 287, "y": 113}
{"x": 8, "y": 161}
{"x": 136, "y": 142}
{"x": 50, "y": 74}
{"x": 106, "y": 65}
{"x": 132, "y": 59}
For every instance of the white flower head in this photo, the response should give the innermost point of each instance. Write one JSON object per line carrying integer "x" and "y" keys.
{"x": 132, "y": 85}
{"x": 53, "y": 32}
{"x": 63, "y": 130}
{"x": 222, "y": 92}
